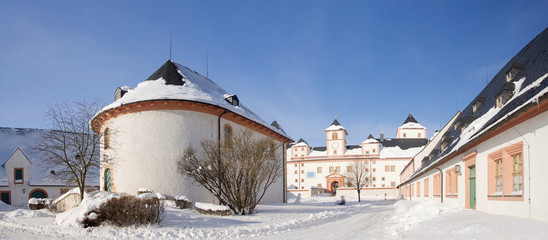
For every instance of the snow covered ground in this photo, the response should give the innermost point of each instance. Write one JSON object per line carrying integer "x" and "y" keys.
{"x": 313, "y": 218}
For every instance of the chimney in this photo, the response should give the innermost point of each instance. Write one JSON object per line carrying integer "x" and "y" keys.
{"x": 382, "y": 136}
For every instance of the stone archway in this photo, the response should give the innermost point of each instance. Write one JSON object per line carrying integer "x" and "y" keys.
{"x": 334, "y": 186}
{"x": 334, "y": 181}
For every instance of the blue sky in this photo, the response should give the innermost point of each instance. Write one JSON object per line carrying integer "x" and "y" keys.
{"x": 298, "y": 62}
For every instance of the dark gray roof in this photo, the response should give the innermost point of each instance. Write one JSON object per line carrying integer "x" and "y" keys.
{"x": 370, "y": 136}
{"x": 168, "y": 72}
{"x": 335, "y": 123}
{"x": 532, "y": 62}
{"x": 403, "y": 143}
{"x": 410, "y": 118}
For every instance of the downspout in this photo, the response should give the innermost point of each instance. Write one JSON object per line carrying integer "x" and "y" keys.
{"x": 441, "y": 183}
{"x": 284, "y": 180}
{"x": 219, "y": 142}
{"x": 528, "y": 170}
{"x": 219, "y": 128}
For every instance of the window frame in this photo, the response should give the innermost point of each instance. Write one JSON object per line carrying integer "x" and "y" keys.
{"x": 15, "y": 176}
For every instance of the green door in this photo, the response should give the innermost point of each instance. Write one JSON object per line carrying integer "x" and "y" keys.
{"x": 472, "y": 179}
{"x": 108, "y": 181}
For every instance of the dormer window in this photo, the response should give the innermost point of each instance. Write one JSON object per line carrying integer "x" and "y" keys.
{"x": 500, "y": 101}
{"x": 513, "y": 71}
{"x": 232, "y": 99}
{"x": 477, "y": 104}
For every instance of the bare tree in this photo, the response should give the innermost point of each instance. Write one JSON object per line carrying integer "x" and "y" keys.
{"x": 238, "y": 173}
{"x": 358, "y": 176}
{"x": 71, "y": 146}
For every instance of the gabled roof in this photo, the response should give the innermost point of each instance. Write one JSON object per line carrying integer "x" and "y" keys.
{"x": 173, "y": 81}
{"x": 17, "y": 150}
{"x": 530, "y": 88}
{"x": 24, "y": 139}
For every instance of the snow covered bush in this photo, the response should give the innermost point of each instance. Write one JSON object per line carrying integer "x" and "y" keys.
{"x": 212, "y": 209}
{"x": 183, "y": 202}
{"x": 38, "y": 203}
{"x": 126, "y": 211}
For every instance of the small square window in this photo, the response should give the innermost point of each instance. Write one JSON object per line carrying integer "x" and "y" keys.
{"x": 302, "y": 171}
{"x": 296, "y": 172}
{"x": 338, "y": 169}
{"x": 383, "y": 178}
{"x": 319, "y": 170}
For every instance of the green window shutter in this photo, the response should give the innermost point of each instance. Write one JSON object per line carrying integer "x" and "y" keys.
{"x": 6, "y": 197}
{"x": 38, "y": 194}
{"x": 18, "y": 174}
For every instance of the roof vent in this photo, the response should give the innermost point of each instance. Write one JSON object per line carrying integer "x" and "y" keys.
{"x": 232, "y": 99}
{"x": 52, "y": 172}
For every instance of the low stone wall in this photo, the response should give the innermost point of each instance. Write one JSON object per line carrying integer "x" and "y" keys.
{"x": 67, "y": 202}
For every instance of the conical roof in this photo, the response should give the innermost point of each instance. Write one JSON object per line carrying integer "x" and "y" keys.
{"x": 173, "y": 81}
{"x": 370, "y": 139}
{"x": 410, "y": 118}
{"x": 411, "y": 122}
{"x": 335, "y": 126}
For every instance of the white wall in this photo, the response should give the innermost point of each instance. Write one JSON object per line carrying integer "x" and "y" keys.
{"x": 147, "y": 145}
{"x": 534, "y": 135}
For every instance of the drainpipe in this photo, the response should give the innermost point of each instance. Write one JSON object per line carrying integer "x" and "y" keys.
{"x": 219, "y": 142}
{"x": 528, "y": 169}
{"x": 441, "y": 183}
{"x": 284, "y": 180}
{"x": 219, "y": 128}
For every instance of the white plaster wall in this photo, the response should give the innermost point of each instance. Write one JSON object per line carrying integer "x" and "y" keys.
{"x": 535, "y": 166}
{"x": 320, "y": 178}
{"x": 411, "y": 133}
{"x": 148, "y": 144}
{"x": 535, "y": 151}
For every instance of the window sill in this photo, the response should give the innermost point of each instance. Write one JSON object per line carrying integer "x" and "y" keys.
{"x": 452, "y": 195}
{"x": 500, "y": 197}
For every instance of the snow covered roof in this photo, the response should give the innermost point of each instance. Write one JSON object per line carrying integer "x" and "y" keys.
{"x": 370, "y": 139}
{"x": 411, "y": 123}
{"x": 335, "y": 126}
{"x": 25, "y": 139}
{"x": 173, "y": 81}
{"x": 529, "y": 88}
{"x": 300, "y": 143}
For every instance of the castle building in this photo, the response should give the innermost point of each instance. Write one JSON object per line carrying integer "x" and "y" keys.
{"x": 146, "y": 130}
{"x": 313, "y": 170}
{"x": 492, "y": 156}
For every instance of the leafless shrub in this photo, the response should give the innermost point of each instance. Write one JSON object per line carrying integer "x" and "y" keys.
{"x": 126, "y": 211}
{"x": 238, "y": 172}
